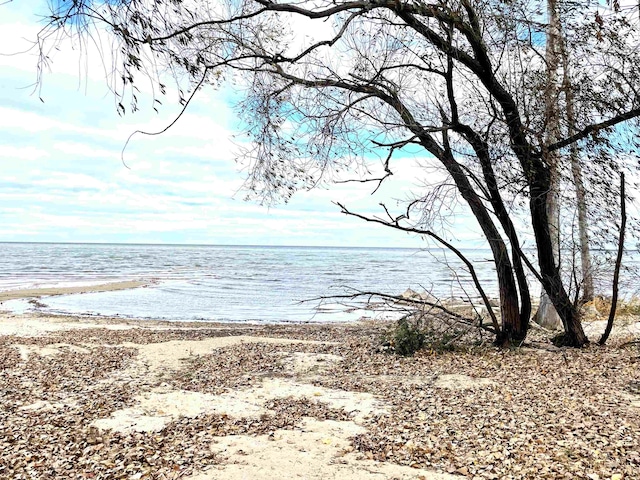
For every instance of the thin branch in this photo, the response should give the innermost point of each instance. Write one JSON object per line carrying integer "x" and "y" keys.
{"x": 616, "y": 272}
{"x": 387, "y": 174}
{"x": 401, "y": 299}
{"x": 267, "y": 7}
{"x": 400, "y": 142}
{"x": 394, "y": 224}
{"x": 323, "y": 43}
{"x": 173, "y": 122}
{"x": 392, "y": 147}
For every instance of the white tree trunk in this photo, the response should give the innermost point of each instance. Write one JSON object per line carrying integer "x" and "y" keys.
{"x": 546, "y": 314}
{"x": 576, "y": 172}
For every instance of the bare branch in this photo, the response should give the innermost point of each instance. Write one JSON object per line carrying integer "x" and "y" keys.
{"x": 395, "y": 224}
{"x": 616, "y": 272}
{"x": 400, "y": 299}
{"x": 173, "y": 122}
{"x": 594, "y": 128}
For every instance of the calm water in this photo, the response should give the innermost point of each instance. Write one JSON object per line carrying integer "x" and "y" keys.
{"x": 229, "y": 283}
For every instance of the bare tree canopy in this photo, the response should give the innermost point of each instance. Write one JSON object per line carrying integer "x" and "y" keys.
{"x": 327, "y": 82}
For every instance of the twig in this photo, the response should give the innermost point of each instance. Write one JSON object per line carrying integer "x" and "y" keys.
{"x": 399, "y": 299}
{"x": 173, "y": 122}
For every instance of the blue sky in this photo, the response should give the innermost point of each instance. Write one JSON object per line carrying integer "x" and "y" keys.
{"x": 63, "y": 178}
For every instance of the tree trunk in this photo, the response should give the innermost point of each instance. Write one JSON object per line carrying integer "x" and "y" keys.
{"x": 547, "y": 316}
{"x": 481, "y": 148}
{"x": 576, "y": 172}
{"x": 511, "y": 330}
{"x": 616, "y": 271}
{"x": 512, "y": 326}
{"x": 551, "y": 279}
{"x": 583, "y": 231}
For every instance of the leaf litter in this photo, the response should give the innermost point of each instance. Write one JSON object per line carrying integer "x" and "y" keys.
{"x": 476, "y": 413}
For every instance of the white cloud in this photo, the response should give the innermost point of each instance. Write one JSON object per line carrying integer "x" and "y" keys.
{"x": 181, "y": 185}
{"x": 11, "y": 118}
{"x": 10, "y": 152}
{"x": 69, "y": 180}
{"x": 82, "y": 149}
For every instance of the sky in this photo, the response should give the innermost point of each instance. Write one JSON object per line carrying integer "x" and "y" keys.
{"x": 64, "y": 176}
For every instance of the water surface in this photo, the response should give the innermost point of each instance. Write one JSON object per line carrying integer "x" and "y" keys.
{"x": 231, "y": 283}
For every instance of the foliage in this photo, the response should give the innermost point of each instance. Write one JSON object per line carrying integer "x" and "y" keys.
{"x": 431, "y": 331}
{"x": 406, "y": 337}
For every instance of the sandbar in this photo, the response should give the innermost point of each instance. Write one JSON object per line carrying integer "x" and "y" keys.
{"x": 49, "y": 291}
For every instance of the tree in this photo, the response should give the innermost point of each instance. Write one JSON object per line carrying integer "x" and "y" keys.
{"x": 577, "y": 176}
{"x": 459, "y": 79}
{"x": 546, "y": 314}
{"x": 557, "y": 59}
{"x": 561, "y": 108}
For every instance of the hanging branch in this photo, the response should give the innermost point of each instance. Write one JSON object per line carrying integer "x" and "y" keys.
{"x": 616, "y": 272}
{"x": 394, "y": 223}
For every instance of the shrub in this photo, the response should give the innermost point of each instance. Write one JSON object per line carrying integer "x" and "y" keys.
{"x": 407, "y": 337}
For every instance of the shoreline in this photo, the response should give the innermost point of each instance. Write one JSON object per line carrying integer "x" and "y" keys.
{"x": 21, "y": 293}
{"x": 43, "y": 323}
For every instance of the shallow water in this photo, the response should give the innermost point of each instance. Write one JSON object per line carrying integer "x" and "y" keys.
{"x": 231, "y": 283}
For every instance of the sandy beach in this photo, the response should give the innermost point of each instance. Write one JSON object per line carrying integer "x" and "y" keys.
{"x": 113, "y": 398}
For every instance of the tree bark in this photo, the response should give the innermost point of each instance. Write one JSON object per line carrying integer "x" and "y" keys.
{"x": 482, "y": 151}
{"x": 513, "y": 328}
{"x": 547, "y": 316}
{"x": 481, "y": 148}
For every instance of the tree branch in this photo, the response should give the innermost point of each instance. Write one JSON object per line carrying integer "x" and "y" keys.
{"x": 616, "y": 272}
{"x": 400, "y": 299}
{"x": 594, "y": 128}
{"x": 394, "y": 224}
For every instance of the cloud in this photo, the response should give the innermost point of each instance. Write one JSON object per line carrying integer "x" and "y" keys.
{"x": 71, "y": 181}
{"x": 82, "y": 149}
{"x": 23, "y": 153}
{"x": 64, "y": 179}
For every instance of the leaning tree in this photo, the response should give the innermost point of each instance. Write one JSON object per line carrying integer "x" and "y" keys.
{"x": 328, "y": 82}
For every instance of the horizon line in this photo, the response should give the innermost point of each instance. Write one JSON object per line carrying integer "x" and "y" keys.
{"x": 35, "y": 242}
{"x": 253, "y": 245}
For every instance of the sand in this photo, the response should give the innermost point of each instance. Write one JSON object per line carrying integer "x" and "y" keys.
{"x": 113, "y": 398}
{"x": 48, "y": 291}
{"x": 30, "y": 326}
{"x": 313, "y": 449}
{"x": 318, "y": 450}
{"x": 170, "y": 355}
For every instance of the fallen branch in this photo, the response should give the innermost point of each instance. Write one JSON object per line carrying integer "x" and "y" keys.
{"x": 395, "y": 224}
{"x": 401, "y": 299}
